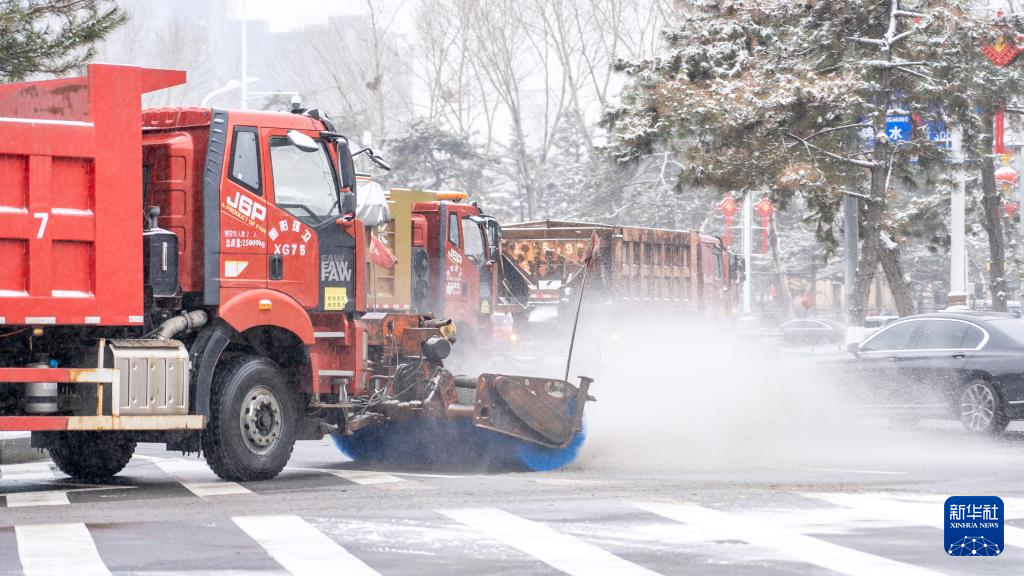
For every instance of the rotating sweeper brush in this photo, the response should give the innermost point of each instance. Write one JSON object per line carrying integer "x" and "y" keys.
{"x": 494, "y": 422}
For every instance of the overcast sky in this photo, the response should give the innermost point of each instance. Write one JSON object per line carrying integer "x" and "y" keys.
{"x": 297, "y": 13}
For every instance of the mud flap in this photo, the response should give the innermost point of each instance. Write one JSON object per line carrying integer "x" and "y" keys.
{"x": 543, "y": 411}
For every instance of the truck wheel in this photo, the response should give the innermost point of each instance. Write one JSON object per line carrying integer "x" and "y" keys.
{"x": 91, "y": 455}
{"x": 253, "y": 412}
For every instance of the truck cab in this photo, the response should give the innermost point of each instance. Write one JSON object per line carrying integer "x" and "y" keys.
{"x": 202, "y": 280}
{"x": 448, "y": 258}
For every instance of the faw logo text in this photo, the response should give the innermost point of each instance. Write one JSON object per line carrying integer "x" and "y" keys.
{"x": 246, "y": 207}
{"x": 334, "y": 269}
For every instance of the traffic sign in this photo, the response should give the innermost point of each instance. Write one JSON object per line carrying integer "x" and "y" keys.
{"x": 899, "y": 128}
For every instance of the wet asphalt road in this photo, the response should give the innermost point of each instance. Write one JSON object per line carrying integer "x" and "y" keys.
{"x": 875, "y": 509}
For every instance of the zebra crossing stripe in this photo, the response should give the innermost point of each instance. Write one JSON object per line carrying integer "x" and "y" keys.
{"x": 365, "y": 477}
{"x": 41, "y": 498}
{"x": 27, "y": 471}
{"x": 58, "y": 549}
{"x": 916, "y": 513}
{"x": 300, "y": 548}
{"x": 558, "y": 550}
{"x": 773, "y": 536}
{"x": 197, "y": 478}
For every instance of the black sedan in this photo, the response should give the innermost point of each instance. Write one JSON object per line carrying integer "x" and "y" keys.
{"x": 965, "y": 365}
{"x": 810, "y": 331}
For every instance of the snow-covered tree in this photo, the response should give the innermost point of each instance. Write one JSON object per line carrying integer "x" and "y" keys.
{"x": 53, "y": 36}
{"x": 794, "y": 98}
{"x": 971, "y": 89}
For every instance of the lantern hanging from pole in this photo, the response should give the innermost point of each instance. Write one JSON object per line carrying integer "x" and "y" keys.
{"x": 765, "y": 209}
{"x": 1006, "y": 176}
{"x": 1011, "y": 209}
{"x": 728, "y": 209}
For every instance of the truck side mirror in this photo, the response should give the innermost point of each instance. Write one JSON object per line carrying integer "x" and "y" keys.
{"x": 494, "y": 238}
{"x": 345, "y": 167}
{"x": 348, "y": 203}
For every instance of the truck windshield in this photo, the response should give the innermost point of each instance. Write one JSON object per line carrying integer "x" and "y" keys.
{"x": 304, "y": 182}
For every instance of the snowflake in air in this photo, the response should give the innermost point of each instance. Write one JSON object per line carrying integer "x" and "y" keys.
{"x": 969, "y": 546}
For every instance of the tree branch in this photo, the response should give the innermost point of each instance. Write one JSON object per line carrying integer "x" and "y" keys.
{"x": 836, "y": 128}
{"x": 921, "y": 75}
{"x": 910, "y": 13}
{"x": 834, "y": 156}
{"x": 870, "y": 41}
{"x": 894, "y": 63}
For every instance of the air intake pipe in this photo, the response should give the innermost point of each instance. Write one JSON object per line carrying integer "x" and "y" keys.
{"x": 186, "y": 322}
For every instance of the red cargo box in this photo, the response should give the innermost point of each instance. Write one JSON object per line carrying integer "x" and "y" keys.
{"x": 71, "y": 196}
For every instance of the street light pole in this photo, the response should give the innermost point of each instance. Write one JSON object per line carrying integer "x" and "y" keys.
{"x": 228, "y": 87}
{"x": 245, "y": 57}
{"x": 747, "y": 268}
{"x": 957, "y": 223}
{"x": 1020, "y": 191}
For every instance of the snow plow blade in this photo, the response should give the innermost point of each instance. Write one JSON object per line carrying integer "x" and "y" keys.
{"x": 543, "y": 411}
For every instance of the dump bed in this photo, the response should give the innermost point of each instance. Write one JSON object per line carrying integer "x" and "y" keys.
{"x": 71, "y": 197}
{"x": 642, "y": 265}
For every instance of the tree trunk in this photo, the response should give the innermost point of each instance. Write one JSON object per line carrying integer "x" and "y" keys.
{"x": 785, "y": 297}
{"x": 872, "y": 226}
{"x": 889, "y": 255}
{"x": 872, "y": 250}
{"x": 992, "y": 221}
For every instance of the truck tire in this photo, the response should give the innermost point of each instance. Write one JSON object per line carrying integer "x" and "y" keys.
{"x": 91, "y": 455}
{"x": 253, "y": 413}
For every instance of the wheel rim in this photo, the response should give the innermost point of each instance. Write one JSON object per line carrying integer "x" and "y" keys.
{"x": 260, "y": 420}
{"x": 977, "y": 407}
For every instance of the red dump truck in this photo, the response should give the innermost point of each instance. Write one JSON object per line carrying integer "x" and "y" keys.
{"x": 197, "y": 277}
{"x": 637, "y": 270}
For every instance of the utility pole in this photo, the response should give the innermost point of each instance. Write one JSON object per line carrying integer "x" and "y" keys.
{"x": 1020, "y": 186}
{"x": 957, "y": 222}
{"x": 245, "y": 57}
{"x": 747, "y": 264}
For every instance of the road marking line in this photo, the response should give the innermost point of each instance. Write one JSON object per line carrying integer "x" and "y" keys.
{"x": 58, "y": 549}
{"x": 412, "y": 474}
{"x": 365, "y": 477}
{"x": 913, "y": 513}
{"x": 27, "y": 471}
{"x": 42, "y": 498}
{"x": 556, "y": 549}
{"x": 197, "y": 477}
{"x": 1015, "y": 506}
{"x": 850, "y": 471}
{"x": 300, "y": 547}
{"x": 773, "y": 536}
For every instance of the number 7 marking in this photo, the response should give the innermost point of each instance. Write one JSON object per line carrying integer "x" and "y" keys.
{"x": 44, "y": 217}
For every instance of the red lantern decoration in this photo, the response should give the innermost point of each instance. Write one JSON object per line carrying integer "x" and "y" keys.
{"x": 1011, "y": 209}
{"x": 765, "y": 209}
{"x": 1007, "y": 176}
{"x": 728, "y": 209}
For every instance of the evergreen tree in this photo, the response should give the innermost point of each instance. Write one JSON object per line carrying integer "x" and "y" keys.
{"x": 52, "y": 37}
{"x": 429, "y": 157}
{"x": 971, "y": 90}
{"x": 793, "y": 98}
